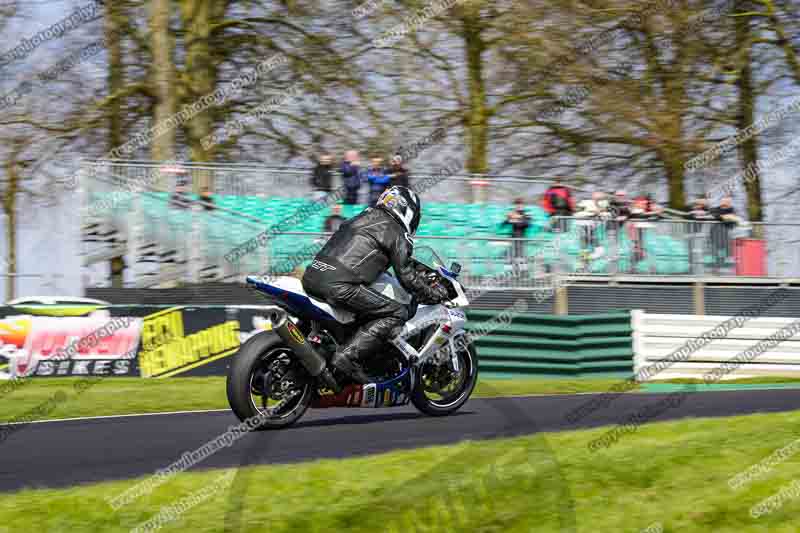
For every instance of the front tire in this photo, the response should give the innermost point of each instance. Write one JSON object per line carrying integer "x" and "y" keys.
{"x": 264, "y": 370}
{"x": 449, "y": 403}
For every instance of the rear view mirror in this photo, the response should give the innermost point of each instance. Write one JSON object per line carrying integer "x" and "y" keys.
{"x": 455, "y": 268}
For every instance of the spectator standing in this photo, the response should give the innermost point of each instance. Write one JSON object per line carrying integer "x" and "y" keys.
{"x": 595, "y": 214}
{"x": 180, "y": 198}
{"x": 207, "y": 199}
{"x": 335, "y": 219}
{"x": 642, "y": 212}
{"x": 620, "y": 207}
{"x": 559, "y": 202}
{"x": 721, "y": 232}
{"x": 519, "y": 222}
{"x": 322, "y": 176}
{"x": 378, "y": 179}
{"x": 619, "y": 210}
{"x": 699, "y": 213}
{"x": 698, "y": 234}
{"x": 398, "y": 173}
{"x": 351, "y": 176}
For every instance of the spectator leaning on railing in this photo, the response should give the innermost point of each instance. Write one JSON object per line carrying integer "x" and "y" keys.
{"x": 519, "y": 222}
{"x": 643, "y": 210}
{"x": 721, "y": 233}
{"x": 597, "y": 210}
{"x": 207, "y": 199}
{"x": 620, "y": 207}
{"x": 180, "y": 198}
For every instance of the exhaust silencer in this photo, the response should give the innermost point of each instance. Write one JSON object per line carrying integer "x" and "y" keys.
{"x": 295, "y": 340}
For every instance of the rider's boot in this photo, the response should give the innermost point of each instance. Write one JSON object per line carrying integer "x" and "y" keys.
{"x": 346, "y": 358}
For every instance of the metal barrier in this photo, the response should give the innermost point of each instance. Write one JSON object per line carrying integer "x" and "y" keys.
{"x": 163, "y": 242}
{"x": 679, "y": 346}
{"x": 263, "y": 181}
{"x": 675, "y": 247}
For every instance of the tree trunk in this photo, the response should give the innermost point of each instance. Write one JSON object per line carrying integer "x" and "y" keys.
{"x": 116, "y": 74}
{"x": 163, "y": 146}
{"x": 201, "y": 75}
{"x": 477, "y": 114}
{"x": 10, "y": 210}
{"x": 784, "y": 42}
{"x": 748, "y": 150}
{"x": 673, "y": 165}
{"x": 114, "y": 22}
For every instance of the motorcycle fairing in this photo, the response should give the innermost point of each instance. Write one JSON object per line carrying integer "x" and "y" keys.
{"x": 290, "y": 290}
{"x": 391, "y": 393}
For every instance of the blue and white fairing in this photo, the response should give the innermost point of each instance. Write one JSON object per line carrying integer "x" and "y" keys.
{"x": 290, "y": 291}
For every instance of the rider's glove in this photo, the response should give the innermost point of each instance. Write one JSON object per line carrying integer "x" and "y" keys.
{"x": 438, "y": 295}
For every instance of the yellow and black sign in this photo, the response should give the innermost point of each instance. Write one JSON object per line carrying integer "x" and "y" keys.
{"x": 167, "y": 349}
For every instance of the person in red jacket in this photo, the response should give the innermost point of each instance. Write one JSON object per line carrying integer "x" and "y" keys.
{"x": 558, "y": 202}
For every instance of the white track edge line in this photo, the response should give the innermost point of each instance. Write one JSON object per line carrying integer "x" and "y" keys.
{"x": 101, "y": 417}
{"x": 104, "y": 417}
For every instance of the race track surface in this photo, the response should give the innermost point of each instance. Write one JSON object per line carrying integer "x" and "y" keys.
{"x": 59, "y": 454}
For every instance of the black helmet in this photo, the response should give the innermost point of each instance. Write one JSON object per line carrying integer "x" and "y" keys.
{"x": 404, "y": 205}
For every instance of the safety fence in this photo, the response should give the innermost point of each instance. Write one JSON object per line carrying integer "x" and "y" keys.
{"x": 670, "y": 246}
{"x": 258, "y": 180}
{"x": 547, "y": 345}
{"x": 191, "y": 246}
{"x": 167, "y": 241}
{"x": 701, "y": 347}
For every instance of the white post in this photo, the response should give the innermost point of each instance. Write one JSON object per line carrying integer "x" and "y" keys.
{"x": 639, "y": 342}
{"x": 135, "y": 239}
{"x": 195, "y": 245}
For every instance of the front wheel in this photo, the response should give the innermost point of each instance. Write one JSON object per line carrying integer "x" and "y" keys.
{"x": 268, "y": 384}
{"x": 439, "y": 389}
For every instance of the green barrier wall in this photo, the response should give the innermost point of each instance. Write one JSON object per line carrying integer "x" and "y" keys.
{"x": 549, "y": 345}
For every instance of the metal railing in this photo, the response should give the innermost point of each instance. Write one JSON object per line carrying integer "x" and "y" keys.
{"x": 164, "y": 243}
{"x": 263, "y": 181}
{"x": 190, "y": 245}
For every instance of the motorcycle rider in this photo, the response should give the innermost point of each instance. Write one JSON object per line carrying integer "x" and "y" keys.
{"x": 356, "y": 254}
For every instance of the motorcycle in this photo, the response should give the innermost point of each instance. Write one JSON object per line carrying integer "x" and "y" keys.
{"x": 278, "y": 374}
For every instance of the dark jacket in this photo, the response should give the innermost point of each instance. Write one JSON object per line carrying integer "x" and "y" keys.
{"x": 351, "y": 176}
{"x": 322, "y": 178}
{"x": 719, "y": 212}
{"x": 399, "y": 176}
{"x": 519, "y": 226}
{"x": 363, "y": 248}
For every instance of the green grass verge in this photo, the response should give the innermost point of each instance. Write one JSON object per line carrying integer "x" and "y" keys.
{"x": 674, "y": 474}
{"x": 119, "y": 396}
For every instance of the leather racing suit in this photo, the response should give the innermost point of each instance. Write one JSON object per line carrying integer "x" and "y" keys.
{"x": 360, "y": 250}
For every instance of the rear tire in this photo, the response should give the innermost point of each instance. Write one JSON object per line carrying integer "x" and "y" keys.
{"x": 448, "y": 405}
{"x": 253, "y": 355}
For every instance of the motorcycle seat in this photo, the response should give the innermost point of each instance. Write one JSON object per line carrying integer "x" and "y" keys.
{"x": 290, "y": 290}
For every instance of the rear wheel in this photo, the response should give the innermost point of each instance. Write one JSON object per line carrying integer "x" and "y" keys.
{"x": 268, "y": 384}
{"x": 440, "y": 389}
